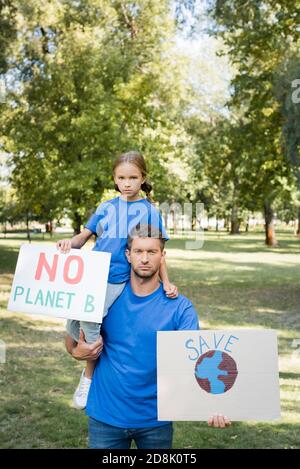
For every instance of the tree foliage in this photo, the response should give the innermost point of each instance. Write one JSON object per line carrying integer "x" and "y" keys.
{"x": 91, "y": 80}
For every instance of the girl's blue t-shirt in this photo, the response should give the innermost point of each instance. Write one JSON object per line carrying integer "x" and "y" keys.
{"x": 123, "y": 392}
{"x": 112, "y": 222}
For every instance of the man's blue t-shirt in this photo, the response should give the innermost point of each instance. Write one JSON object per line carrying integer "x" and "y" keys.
{"x": 123, "y": 392}
{"x": 112, "y": 222}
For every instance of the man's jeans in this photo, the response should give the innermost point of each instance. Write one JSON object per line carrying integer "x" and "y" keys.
{"x": 106, "y": 436}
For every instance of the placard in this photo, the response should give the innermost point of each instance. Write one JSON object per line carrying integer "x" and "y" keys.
{"x": 202, "y": 373}
{"x": 49, "y": 282}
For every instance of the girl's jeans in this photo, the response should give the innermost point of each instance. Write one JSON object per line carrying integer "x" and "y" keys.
{"x": 91, "y": 329}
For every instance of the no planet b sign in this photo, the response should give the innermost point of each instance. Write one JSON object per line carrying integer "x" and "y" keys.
{"x": 69, "y": 285}
{"x": 202, "y": 373}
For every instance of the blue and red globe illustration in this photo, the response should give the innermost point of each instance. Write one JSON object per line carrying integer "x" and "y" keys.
{"x": 216, "y": 372}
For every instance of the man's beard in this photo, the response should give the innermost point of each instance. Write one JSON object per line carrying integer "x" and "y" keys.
{"x": 145, "y": 273}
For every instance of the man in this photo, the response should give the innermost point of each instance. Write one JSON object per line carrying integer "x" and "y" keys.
{"x": 122, "y": 403}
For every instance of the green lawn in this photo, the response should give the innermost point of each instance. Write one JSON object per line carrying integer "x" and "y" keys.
{"x": 233, "y": 281}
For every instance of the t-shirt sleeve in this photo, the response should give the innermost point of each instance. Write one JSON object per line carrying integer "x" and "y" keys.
{"x": 162, "y": 228}
{"x": 93, "y": 222}
{"x": 156, "y": 220}
{"x": 186, "y": 318}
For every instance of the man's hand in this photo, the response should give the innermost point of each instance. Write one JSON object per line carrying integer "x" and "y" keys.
{"x": 219, "y": 421}
{"x": 85, "y": 351}
{"x": 171, "y": 290}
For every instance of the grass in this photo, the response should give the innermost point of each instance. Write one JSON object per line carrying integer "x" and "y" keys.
{"x": 233, "y": 281}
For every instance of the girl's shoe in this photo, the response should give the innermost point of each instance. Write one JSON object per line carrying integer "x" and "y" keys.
{"x": 81, "y": 394}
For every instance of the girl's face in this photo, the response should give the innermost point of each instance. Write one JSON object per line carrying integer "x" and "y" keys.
{"x": 129, "y": 179}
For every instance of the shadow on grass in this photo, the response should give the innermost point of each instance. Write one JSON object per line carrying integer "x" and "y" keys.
{"x": 203, "y": 271}
{"x": 39, "y": 378}
{"x": 238, "y": 244}
{"x": 8, "y": 258}
{"x": 239, "y": 435}
{"x": 37, "y": 384}
{"x": 226, "y": 307}
{"x": 293, "y": 376}
{"x": 36, "y": 387}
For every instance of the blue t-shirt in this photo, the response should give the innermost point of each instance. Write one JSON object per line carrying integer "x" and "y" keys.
{"x": 112, "y": 222}
{"x": 123, "y": 392}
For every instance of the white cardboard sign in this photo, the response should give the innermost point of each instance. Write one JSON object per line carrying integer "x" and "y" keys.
{"x": 202, "y": 373}
{"x": 69, "y": 285}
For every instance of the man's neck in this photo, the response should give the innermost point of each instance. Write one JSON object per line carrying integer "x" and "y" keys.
{"x": 144, "y": 286}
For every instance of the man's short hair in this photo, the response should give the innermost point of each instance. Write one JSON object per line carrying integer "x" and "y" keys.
{"x": 146, "y": 231}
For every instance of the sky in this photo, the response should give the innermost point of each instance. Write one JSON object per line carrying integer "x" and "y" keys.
{"x": 208, "y": 72}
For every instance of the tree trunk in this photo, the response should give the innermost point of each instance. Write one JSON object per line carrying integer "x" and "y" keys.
{"x": 51, "y": 228}
{"x": 166, "y": 221}
{"x": 27, "y": 228}
{"x": 269, "y": 225}
{"x": 235, "y": 224}
{"x": 174, "y": 221}
{"x": 298, "y": 229}
{"x": 217, "y": 224}
{"x": 77, "y": 223}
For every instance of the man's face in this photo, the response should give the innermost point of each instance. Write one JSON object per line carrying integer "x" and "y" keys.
{"x": 145, "y": 256}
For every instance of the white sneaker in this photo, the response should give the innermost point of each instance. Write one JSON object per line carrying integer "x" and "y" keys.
{"x": 81, "y": 394}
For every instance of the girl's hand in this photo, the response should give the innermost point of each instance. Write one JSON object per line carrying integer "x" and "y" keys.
{"x": 219, "y": 421}
{"x": 64, "y": 245}
{"x": 171, "y": 290}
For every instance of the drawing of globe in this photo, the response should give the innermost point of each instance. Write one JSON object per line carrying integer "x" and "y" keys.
{"x": 216, "y": 372}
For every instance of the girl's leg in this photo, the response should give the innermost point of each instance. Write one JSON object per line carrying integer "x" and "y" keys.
{"x": 89, "y": 368}
{"x": 70, "y": 343}
{"x": 91, "y": 333}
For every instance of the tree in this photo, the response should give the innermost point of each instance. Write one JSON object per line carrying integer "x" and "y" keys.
{"x": 92, "y": 81}
{"x": 258, "y": 34}
{"x": 7, "y": 31}
{"x": 287, "y": 85}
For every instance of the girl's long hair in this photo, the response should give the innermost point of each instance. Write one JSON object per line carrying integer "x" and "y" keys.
{"x": 134, "y": 157}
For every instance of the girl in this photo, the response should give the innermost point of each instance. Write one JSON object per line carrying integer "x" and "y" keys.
{"x": 111, "y": 223}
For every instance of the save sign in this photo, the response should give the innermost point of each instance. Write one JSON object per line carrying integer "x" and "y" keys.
{"x": 69, "y": 286}
{"x": 202, "y": 373}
